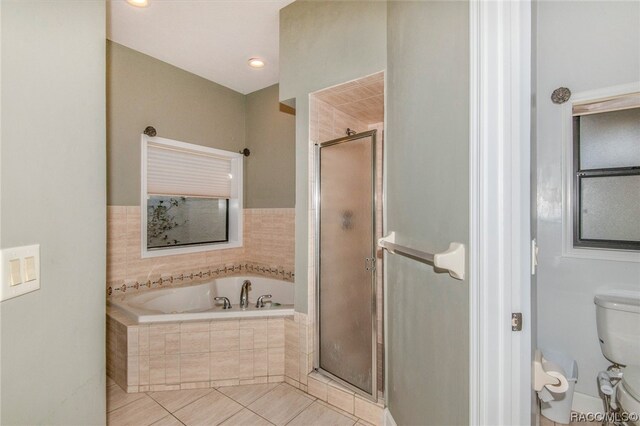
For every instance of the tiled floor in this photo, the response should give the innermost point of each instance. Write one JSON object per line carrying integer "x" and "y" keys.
{"x": 248, "y": 405}
{"x": 546, "y": 422}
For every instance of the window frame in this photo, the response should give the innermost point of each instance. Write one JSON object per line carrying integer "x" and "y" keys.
{"x": 573, "y": 245}
{"x": 234, "y": 205}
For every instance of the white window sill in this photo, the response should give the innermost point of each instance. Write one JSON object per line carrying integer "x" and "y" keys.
{"x": 174, "y": 251}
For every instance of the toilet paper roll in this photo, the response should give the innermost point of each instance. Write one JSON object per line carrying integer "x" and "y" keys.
{"x": 560, "y": 388}
{"x": 556, "y": 371}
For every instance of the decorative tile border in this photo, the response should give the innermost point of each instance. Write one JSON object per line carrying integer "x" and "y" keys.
{"x": 185, "y": 279}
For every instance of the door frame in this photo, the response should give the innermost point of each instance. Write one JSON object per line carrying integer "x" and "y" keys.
{"x": 500, "y": 217}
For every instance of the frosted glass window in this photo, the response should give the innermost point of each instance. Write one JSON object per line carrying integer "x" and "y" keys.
{"x": 610, "y": 139}
{"x": 610, "y": 208}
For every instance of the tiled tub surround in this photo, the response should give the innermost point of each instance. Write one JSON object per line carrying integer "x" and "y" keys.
{"x": 220, "y": 353}
{"x": 268, "y": 250}
{"x": 195, "y": 354}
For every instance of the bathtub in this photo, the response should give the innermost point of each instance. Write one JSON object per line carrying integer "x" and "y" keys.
{"x": 195, "y": 302}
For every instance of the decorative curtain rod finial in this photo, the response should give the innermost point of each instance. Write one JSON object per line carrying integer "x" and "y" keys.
{"x": 150, "y": 131}
{"x": 560, "y": 95}
{"x": 246, "y": 152}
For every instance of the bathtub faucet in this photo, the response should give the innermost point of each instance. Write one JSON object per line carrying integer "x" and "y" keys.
{"x": 227, "y": 304}
{"x": 244, "y": 294}
{"x": 260, "y": 302}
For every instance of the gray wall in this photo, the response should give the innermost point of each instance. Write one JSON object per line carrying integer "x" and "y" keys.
{"x": 144, "y": 91}
{"x": 427, "y": 206}
{"x": 323, "y": 43}
{"x": 270, "y": 169}
{"x": 582, "y": 46}
{"x": 53, "y": 193}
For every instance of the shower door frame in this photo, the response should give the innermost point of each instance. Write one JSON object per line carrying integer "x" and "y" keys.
{"x": 374, "y": 313}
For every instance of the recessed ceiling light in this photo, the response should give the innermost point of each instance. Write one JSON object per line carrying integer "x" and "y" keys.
{"x": 138, "y": 3}
{"x": 256, "y": 63}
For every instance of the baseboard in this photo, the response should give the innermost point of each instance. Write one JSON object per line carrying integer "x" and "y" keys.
{"x": 583, "y": 403}
{"x": 388, "y": 418}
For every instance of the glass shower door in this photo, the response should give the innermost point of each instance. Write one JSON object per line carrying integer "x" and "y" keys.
{"x": 346, "y": 317}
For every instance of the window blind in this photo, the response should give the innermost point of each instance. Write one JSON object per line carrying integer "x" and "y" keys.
{"x": 182, "y": 172}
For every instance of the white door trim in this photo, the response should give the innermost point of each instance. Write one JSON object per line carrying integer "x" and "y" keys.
{"x": 500, "y": 95}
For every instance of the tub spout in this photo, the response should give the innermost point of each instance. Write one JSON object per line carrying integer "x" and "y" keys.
{"x": 227, "y": 304}
{"x": 260, "y": 302}
{"x": 244, "y": 294}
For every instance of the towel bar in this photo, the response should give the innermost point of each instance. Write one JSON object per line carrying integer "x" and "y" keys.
{"x": 452, "y": 259}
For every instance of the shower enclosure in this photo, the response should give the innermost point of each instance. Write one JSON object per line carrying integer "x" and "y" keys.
{"x": 346, "y": 323}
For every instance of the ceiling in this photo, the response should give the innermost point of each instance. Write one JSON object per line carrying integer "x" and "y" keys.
{"x": 210, "y": 38}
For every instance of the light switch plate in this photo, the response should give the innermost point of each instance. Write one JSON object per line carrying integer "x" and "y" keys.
{"x": 29, "y": 270}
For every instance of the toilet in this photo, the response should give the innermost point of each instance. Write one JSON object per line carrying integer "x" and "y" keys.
{"x": 618, "y": 322}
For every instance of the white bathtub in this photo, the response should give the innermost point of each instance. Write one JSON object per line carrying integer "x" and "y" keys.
{"x": 195, "y": 302}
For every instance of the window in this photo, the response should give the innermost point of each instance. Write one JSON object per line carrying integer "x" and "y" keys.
{"x": 606, "y": 173}
{"x": 191, "y": 198}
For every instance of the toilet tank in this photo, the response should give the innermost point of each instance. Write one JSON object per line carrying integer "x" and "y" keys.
{"x": 618, "y": 321}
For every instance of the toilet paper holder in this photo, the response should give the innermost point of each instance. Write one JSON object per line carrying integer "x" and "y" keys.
{"x": 541, "y": 378}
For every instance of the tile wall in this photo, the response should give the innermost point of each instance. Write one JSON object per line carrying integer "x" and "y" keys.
{"x": 268, "y": 250}
{"x": 192, "y": 355}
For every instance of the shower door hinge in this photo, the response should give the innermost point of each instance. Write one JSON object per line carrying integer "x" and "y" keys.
{"x": 370, "y": 264}
{"x": 516, "y": 321}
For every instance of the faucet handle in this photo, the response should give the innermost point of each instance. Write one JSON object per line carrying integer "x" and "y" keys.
{"x": 260, "y": 302}
{"x": 227, "y": 303}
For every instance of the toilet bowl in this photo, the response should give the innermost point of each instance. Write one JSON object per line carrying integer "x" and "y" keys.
{"x": 618, "y": 322}
{"x": 628, "y": 393}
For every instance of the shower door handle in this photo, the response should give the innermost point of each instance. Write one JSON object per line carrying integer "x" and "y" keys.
{"x": 370, "y": 264}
